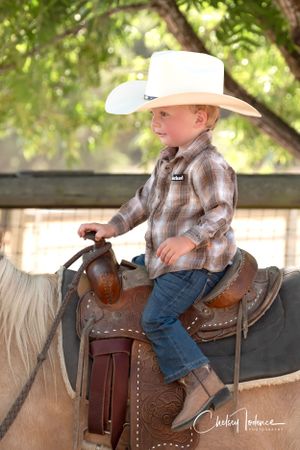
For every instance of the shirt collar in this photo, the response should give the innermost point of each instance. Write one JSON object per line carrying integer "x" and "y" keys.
{"x": 198, "y": 144}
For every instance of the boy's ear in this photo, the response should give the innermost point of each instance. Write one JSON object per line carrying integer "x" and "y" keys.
{"x": 201, "y": 118}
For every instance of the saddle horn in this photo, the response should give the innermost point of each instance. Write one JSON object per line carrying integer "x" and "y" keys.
{"x": 102, "y": 273}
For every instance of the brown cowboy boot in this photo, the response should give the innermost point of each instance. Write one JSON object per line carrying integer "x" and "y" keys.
{"x": 204, "y": 390}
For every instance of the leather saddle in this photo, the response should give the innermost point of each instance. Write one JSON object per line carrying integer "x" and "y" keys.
{"x": 114, "y": 296}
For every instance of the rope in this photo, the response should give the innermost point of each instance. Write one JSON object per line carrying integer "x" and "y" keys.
{"x": 18, "y": 403}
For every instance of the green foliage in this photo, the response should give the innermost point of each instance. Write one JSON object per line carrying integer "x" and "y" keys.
{"x": 60, "y": 58}
{"x": 245, "y": 21}
{"x": 247, "y": 150}
{"x": 53, "y": 58}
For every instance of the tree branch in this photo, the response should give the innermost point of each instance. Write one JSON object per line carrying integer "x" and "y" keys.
{"x": 73, "y": 31}
{"x": 291, "y": 10}
{"x": 270, "y": 123}
{"x": 291, "y": 55}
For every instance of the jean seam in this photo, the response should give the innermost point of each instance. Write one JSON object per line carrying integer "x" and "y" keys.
{"x": 185, "y": 370}
{"x": 187, "y": 285}
{"x": 175, "y": 299}
{"x": 187, "y": 367}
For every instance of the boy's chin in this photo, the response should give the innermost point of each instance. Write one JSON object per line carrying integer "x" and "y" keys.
{"x": 166, "y": 141}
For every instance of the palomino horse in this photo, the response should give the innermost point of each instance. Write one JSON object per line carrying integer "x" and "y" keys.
{"x": 267, "y": 417}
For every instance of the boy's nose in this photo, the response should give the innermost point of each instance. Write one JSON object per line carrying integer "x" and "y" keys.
{"x": 155, "y": 122}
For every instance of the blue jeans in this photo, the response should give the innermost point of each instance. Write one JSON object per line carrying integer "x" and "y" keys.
{"x": 172, "y": 294}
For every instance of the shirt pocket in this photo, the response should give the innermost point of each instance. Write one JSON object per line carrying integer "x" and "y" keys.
{"x": 182, "y": 199}
{"x": 179, "y": 194}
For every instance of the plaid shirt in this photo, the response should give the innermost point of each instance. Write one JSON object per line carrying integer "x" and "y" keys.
{"x": 192, "y": 193}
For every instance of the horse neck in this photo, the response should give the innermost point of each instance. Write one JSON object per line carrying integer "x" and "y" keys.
{"x": 27, "y": 305}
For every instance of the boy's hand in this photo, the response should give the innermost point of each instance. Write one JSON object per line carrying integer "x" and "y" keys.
{"x": 172, "y": 248}
{"x": 102, "y": 230}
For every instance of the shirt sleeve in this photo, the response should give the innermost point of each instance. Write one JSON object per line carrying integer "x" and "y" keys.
{"x": 216, "y": 185}
{"x": 135, "y": 211}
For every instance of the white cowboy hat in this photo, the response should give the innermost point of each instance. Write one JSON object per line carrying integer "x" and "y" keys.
{"x": 177, "y": 78}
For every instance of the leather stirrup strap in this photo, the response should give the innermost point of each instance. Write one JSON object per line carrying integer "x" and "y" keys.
{"x": 81, "y": 387}
{"x": 99, "y": 395}
{"x": 121, "y": 365}
{"x": 109, "y": 386}
{"x": 237, "y": 359}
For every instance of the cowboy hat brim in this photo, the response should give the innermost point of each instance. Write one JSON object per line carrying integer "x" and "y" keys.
{"x": 129, "y": 97}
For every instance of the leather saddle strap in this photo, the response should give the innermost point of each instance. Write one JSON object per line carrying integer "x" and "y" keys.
{"x": 99, "y": 395}
{"x": 242, "y": 325}
{"x": 237, "y": 359}
{"x": 81, "y": 387}
{"x": 109, "y": 386}
{"x": 121, "y": 366}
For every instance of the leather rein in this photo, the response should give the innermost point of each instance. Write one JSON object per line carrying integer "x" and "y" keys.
{"x": 95, "y": 252}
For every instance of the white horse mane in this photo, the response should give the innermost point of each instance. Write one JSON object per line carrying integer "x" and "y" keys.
{"x": 27, "y": 307}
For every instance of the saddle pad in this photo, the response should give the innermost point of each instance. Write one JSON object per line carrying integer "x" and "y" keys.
{"x": 271, "y": 348}
{"x": 272, "y": 345}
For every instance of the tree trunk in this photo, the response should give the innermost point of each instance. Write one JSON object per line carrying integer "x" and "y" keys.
{"x": 291, "y": 10}
{"x": 270, "y": 123}
{"x": 291, "y": 57}
{"x": 290, "y": 54}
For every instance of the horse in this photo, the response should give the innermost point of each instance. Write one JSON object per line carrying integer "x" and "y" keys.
{"x": 267, "y": 415}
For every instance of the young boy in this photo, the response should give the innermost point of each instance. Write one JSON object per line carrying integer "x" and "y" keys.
{"x": 189, "y": 202}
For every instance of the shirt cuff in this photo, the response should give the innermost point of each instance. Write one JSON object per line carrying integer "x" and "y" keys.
{"x": 199, "y": 238}
{"x": 119, "y": 223}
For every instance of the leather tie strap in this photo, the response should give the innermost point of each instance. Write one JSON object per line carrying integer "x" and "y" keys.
{"x": 109, "y": 386}
{"x": 119, "y": 395}
{"x": 242, "y": 325}
{"x": 81, "y": 387}
{"x": 99, "y": 390}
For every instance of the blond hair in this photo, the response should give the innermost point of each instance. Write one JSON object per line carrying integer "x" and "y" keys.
{"x": 213, "y": 114}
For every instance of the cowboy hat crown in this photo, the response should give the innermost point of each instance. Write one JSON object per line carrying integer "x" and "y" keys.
{"x": 177, "y": 78}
